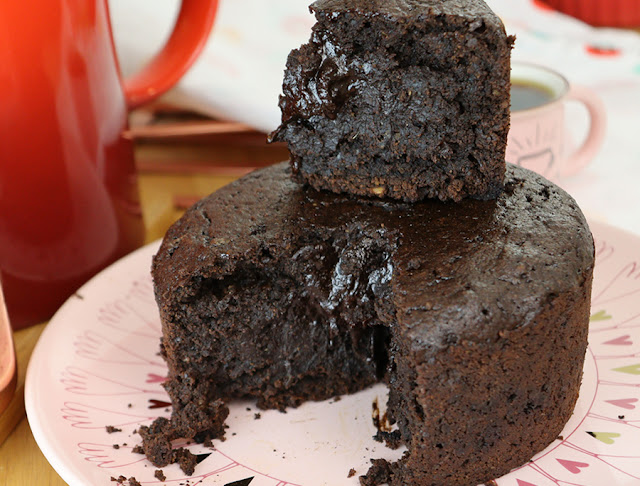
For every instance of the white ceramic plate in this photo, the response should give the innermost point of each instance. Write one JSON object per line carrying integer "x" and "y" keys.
{"x": 97, "y": 364}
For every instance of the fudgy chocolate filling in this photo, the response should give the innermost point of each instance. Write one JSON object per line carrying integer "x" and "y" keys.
{"x": 280, "y": 325}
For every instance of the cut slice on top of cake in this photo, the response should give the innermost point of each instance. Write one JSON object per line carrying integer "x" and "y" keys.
{"x": 406, "y": 99}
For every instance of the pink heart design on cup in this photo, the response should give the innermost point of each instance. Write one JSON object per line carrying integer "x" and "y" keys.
{"x": 627, "y": 403}
{"x": 524, "y": 483}
{"x": 153, "y": 378}
{"x": 621, "y": 341}
{"x": 572, "y": 466}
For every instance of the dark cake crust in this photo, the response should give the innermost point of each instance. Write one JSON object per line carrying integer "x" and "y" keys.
{"x": 474, "y": 313}
{"x": 407, "y": 99}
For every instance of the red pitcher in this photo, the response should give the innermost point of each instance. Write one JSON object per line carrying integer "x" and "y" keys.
{"x": 69, "y": 201}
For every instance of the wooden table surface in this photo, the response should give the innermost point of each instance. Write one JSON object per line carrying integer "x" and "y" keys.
{"x": 172, "y": 173}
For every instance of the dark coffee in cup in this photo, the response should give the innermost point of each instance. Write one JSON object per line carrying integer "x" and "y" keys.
{"x": 537, "y": 133}
{"x": 526, "y": 95}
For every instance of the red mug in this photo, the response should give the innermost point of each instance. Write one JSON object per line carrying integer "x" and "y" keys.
{"x": 69, "y": 201}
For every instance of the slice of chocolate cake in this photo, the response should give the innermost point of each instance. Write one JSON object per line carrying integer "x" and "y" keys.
{"x": 474, "y": 313}
{"x": 400, "y": 98}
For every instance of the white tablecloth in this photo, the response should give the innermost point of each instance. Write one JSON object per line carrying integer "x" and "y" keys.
{"x": 239, "y": 77}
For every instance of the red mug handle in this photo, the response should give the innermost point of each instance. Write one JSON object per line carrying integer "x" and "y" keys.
{"x": 595, "y": 137}
{"x": 189, "y": 36}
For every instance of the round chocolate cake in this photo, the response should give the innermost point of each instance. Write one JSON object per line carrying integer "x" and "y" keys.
{"x": 474, "y": 313}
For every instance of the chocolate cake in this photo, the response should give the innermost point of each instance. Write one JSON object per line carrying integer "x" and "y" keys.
{"x": 474, "y": 313}
{"x": 401, "y": 98}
